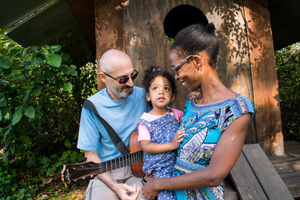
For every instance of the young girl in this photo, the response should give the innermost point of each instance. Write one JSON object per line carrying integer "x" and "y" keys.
{"x": 158, "y": 130}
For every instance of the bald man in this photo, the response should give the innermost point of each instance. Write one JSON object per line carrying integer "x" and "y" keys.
{"x": 121, "y": 104}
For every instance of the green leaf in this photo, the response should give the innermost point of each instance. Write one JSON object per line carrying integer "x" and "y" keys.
{"x": 25, "y": 97}
{"x": 68, "y": 86}
{"x": 67, "y": 143}
{"x": 0, "y": 117}
{"x": 16, "y": 116}
{"x": 55, "y": 48}
{"x": 7, "y": 132}
{"x": 65, "y": 69}
{"x": 49, "y": 171}
{"x": 58, "y": 164}
{"x": 3, "y": 82}
{"x": 37, "y": 59}
{"x": 2, "y": 100}
{"x": 73, "y": 156}
{"x": 65, "y": 155}
{"x": 6, "y": 112}
{"x": 1, "y": 32}
{"x": 5, "y": 156}
{"x": 30, "y": 112}
{"x": 44, "y": 160}
{"x": 73, "y": 70}
{"x": 54, "y": 60}
{"x": 5, "y": 62}
{"x": 37, "y": 91}
{"x": 65, "y": 57}
{"x": 53, "y": 156}
{"x": 7, "y": 142}
{"x": 26, "y": 140}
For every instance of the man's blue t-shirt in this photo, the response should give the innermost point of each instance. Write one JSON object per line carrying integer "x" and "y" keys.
{"x": 121, "y": 114}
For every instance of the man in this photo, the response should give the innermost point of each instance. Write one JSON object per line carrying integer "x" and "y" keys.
{"x": 121, "y": 104}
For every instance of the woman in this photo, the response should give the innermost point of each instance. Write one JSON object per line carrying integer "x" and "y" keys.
{"x": 215, "y": 122}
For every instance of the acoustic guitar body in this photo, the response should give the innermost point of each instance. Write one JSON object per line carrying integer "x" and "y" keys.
{"x": 135, "y": 146}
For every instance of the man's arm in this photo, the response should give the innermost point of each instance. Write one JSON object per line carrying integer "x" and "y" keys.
{"x": 122, "y": 190}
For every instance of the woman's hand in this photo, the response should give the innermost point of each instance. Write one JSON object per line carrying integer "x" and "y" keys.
{"x": 177, "y": 139}
{"x": 127, "y": 192}
{"x": 149, "y": 189}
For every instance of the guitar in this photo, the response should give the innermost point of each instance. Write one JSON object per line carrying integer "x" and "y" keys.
{"x": 76, "y": 173}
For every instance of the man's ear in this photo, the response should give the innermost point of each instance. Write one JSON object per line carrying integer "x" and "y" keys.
{"x": 148, "y": 97}
{"x": 102, "y": 76}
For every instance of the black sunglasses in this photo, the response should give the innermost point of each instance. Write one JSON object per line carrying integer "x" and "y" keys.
{"x": 124, "y": 80}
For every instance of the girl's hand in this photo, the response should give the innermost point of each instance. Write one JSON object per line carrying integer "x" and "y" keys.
{"x": 177, "y": 139}
{"x": 193, "y": 94}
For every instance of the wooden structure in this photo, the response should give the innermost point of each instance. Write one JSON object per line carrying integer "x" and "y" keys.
{"x": 288, "y": 167}
{"x": 254, "y": 176}
{"x": 246, "y": 60}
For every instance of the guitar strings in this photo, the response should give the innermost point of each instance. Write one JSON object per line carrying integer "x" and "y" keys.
{"x": 130, "y": 159}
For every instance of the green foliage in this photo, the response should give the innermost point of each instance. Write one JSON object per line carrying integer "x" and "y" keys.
{"x": 288, "y": 74}
{"x": 41, "y": 93}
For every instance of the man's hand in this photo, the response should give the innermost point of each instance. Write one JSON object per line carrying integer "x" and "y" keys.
{"x": 126, "y": 192}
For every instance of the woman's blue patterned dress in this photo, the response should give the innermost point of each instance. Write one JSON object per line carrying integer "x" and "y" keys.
{"x": 203, "y": 125}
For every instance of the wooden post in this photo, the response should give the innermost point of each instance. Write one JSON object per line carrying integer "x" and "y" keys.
{"x": 109, "y": 29}
{"x": 264, "y": 79}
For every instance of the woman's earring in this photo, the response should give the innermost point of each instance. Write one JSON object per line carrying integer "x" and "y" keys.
{"x": 198, "y": 72}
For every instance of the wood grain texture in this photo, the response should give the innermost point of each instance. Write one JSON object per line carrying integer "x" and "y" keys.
{"x": 266, "y": 174}
{"x": 245, "y": 181}
{"x": 147, "y": 44}
{"x": 264, "y": 79}
{"x": 109, "y": 29}
{"x": 135, "y": 146}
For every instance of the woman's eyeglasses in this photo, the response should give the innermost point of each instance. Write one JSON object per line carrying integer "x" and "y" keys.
{"x": 124, "y": 80}
{"x": 177, "y": 67}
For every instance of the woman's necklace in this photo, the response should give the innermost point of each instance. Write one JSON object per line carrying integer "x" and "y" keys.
{"x": 212, "y": 93}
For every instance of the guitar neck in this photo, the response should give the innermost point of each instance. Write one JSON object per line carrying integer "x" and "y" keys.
{"x": 120, "y": 162}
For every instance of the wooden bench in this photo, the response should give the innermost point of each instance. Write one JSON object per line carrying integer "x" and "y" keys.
{"x": 254, "y": 177}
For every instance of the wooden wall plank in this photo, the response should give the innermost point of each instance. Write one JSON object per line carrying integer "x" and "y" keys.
{"x": 267, "y": 175}
{"x": 147, "y": 44}
{"x": 264, "y": 79}
{"x": 109, "y": 29}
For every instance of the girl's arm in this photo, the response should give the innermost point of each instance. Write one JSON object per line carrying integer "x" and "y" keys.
{"x": 154, "y": 148}
{"x": 223, "y": 159}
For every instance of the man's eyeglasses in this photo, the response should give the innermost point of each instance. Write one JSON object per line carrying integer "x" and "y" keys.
{"x": 124, "y": 80}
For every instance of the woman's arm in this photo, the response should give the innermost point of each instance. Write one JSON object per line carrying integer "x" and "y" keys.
{"x": 223, "y": 159}
{"x": 154, "y": 148}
